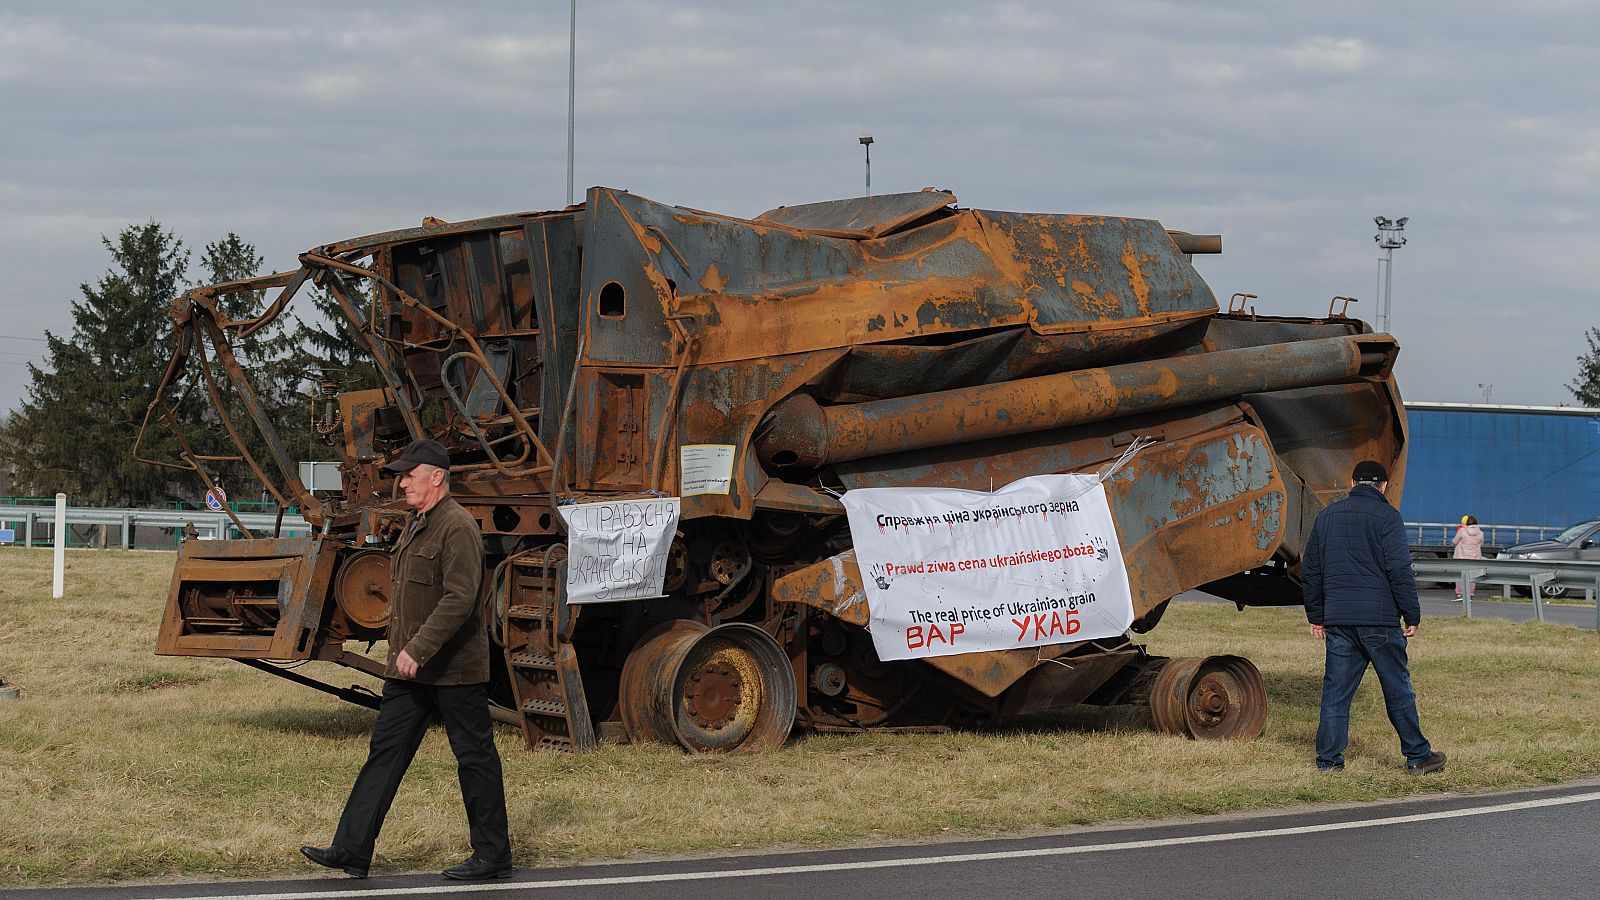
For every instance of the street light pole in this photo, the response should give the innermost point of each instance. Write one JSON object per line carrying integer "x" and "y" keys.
{"x": 1389, "y": 239}
{"x": 572, "y": 92}
{"x": 866, "y": 142}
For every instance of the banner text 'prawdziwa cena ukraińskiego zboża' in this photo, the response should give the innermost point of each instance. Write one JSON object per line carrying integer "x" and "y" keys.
{"x": 952, "y": 571}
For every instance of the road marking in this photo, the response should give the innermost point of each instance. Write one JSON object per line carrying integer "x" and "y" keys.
{"x": 900, "y": 862}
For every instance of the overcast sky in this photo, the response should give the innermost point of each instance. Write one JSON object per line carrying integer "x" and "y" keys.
{"x": 1284, "y": 125}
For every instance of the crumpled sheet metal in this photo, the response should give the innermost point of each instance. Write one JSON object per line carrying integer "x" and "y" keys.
{"x": 1193, "y": 511}
{"x": 771, "y": 290}
{"x": 834, "y": 586}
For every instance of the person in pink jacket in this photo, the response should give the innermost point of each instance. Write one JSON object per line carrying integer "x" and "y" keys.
{"x": 1468, "y": 544}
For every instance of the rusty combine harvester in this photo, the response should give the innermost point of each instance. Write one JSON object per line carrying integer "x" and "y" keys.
{"x": 886, "y": 341}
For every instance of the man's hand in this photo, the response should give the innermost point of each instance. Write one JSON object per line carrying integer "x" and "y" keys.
{"x": 1409, "y": 631}
{"x": 407, "y": 667}
{"x": 1319, "y": 632}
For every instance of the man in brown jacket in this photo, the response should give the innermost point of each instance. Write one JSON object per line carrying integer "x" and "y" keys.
{"x": 438, "y": 667}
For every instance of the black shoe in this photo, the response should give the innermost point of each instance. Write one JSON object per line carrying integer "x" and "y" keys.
{"x": 1433, "y": 763}
{"x": 1337, "y": 768}
{"x": 475, "y": 869}
{"x": 337, "y": 857}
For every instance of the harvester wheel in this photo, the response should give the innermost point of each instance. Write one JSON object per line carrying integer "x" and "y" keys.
{"x": 1212, "y": 697}
{"x": 728, "y": 688}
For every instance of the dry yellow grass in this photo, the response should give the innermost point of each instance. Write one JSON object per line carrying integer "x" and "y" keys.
{"x": 118, "y": 764}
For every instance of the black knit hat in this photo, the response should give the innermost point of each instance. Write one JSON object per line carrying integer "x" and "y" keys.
{"x": 1370, "y": 471}
{"x": 431, "y": 453}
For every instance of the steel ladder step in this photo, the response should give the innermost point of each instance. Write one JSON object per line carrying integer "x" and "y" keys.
{"x": 551, "y": 708}
{"x": 527, "y": 659}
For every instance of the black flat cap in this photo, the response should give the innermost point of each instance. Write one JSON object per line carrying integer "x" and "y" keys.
{"x": 1370, "y": 470}
{"x": 431, "y": 453}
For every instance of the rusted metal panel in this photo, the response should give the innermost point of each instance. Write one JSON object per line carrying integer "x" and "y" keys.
{"x": 832, "y": 585}
{"x": 1097, "y": 273}
{"x": 861, "y": 218}
{"x": 261, "y": 599}
{"x": 1055, "y": 687}
{"x": 358, "y": 411}
{"x": 1192, "y": 511}
{"x": 775, "y": 291}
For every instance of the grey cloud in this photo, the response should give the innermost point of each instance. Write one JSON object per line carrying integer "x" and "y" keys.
{"x": 1284, "y": 125}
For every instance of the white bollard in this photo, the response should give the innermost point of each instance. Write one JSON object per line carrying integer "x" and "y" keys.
{"x": 60, "y": 585}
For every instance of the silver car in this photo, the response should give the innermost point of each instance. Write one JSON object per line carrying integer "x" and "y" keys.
{"x": 1580, "y": 541}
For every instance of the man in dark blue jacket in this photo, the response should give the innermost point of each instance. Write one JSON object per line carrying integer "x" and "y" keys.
{"x": 1358, "y": 588}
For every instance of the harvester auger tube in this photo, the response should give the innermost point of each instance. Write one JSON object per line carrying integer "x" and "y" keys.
{"x": 799, "y": 432}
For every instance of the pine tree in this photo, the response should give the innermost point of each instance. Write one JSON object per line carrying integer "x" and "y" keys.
{"x": 75, "y": 431}
{"x": 327, "y": 341}
{"x": 1586, "y": 387}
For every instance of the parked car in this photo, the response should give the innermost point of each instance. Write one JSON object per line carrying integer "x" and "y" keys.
{"x": 1580, "y": 541}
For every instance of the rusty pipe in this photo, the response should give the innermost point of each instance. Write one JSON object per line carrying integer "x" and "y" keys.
{"x": 1196, "y": 243}
{"x": 799, "y": 432}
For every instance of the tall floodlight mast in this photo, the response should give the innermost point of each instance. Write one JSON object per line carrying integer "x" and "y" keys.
{"x": 1390, "y": 238}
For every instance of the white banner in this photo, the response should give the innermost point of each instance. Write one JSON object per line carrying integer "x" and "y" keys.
{"x": 617, "y": 550}
{"x": 950, "y": 571}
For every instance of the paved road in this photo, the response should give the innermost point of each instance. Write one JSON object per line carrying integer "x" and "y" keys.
{"x": 1438, "y": 604}
{"x": 1536, "y": 843}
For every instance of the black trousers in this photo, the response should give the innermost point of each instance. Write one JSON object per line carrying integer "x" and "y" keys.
{"x": 405, "y": 713}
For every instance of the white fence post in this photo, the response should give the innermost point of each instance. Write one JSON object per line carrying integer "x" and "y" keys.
{"x": 59, "y": 586}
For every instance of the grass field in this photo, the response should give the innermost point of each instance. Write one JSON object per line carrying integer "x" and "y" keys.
{"x": 117, "y": 764}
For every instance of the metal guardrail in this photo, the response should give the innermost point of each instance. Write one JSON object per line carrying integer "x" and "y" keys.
{"x": 264, "y": 507}
{"x": 1535, "y": 573}
{"x": 36, "y": 522}
{"x": 1439, "y": 534}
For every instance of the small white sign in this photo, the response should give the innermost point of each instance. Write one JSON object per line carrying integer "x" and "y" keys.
{"x": 215, "y": 498}
{"x": 617, "y": 549}
{"x": 950, "y": 571}
{"x": 321, "y": 476}
{"x": 704, "y": 469}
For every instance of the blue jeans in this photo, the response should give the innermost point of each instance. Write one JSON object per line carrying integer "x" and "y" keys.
{"x": 1349, "y": 649}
